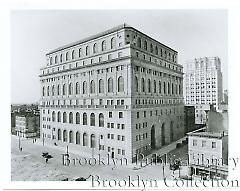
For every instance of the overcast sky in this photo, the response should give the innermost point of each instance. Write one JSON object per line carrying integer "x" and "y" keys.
{"x": 193, "y": 33}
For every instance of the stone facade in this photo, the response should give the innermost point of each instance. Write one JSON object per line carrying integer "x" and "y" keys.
{"x": 118, "y": 92}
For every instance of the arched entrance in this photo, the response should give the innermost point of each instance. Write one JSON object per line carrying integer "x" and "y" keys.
{"x": 171, "y": 131}
{"x": 153, "y": 140}
{"x": 163, "y": 134}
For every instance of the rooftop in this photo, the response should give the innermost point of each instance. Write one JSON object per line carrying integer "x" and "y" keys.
{"x": 114, "y": 29}
{"x": 208, "y": 134}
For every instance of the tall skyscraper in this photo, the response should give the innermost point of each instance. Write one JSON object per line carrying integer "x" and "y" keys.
{"x": 203, "y": 85}
{"x": 118, "y": 93}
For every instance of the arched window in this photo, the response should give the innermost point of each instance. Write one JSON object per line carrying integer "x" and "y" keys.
{"x": 55, "y": 60}
{"x": 139, "y": 43}
{"x": 84, "y": 119}
{"x": 53, "y": 90}
{"x": 92, "y": 87}
{"x": 113, "y": 43}
{"x": 50, "y": 61}
{"x": 85, "y": 139}
{"x": 151, "y": 48}
{"x": 73, "y": 54}
{"x": 53, "y": 116}
{"x": 59, "y": 134}
{"x": 136, "y": 84}
{"x": 179, "y": 89}
{"x": 58, "y": 89}
{"x": 70, "y": 89}
{"x": 145, "y": 45}
{"x": 59, "y": 116}
{"x": 164, "y": 88}
{"x": 77, "y": 88}
{"x": 95, "y": 48}
{"x": 92, "y": 119}
{"x": 172, "y": 89}
{"x": 104, "y": 45}
{"x": 143, "y": 85}
{"x": 101, "y": 86}
{"x": 93, "y": 144}
{"x": 61, "y": 58}
{"x": 65, "y": 135}
{"x": 70, "y": 137}
{"x": 70, "y": 117}
{"x": 160, "y": 87}
{"x": 79, "y": 52}
{"x": 64, "y": 89}
{"x": 43, "y": 91}
{"x": 120, "y": 84}
{"x": 156, "y": 50}
{"x": 110, "y": 85}
{"x": 48, "y": 91}
{"x": 64, "y": 117}
{"x": 67, "y": 56}
{"x": 154, "y": 86}
{"x": 84, "y": 87}
{"x": 101, "y": 120}
{"x": 168, "y": 88}
{"x": 149, "y": 85}
{"x": 78, "y": 138}
{"x": 176, "y": 90}
{"x": 87, "y": 50}
{"x": 77, "y": 118}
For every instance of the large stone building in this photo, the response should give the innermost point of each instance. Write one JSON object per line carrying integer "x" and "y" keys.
{"x": 118, "y": 92}
{"x": 203, "y": 85}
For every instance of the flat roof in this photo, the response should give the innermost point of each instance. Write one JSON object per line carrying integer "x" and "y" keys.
{"x": 114, "y": 29}
{"x": 208, "y": 134}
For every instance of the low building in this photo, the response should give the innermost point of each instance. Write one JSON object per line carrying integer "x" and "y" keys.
{"x": 189, "y": 122}
{"x": 27, "y": 125}
{"x": 208, "y": 154}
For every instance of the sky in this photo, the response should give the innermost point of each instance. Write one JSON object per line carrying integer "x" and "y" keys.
{"x": 193, "y": 33}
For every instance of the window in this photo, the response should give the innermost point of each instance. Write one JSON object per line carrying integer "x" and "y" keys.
{"x": 48, "y": 91}
{"x": 145, "y": 45}
{"x": 70, "y": 89}
{"x": 58, "y": 90}
{"x": 92, "y": 141}
{"x": 70, "y": 117}
{"x": 149, "y": 85}
{"x": 101, "y": 120}
{"x": 143, "y": 85}
{"x": 59, "y": 117}
{"x": 136, "y": 84}
{"x": 194, "y": 142}
{"x": 85, "y": 139}
{"x": 110, "y": 85}
{"x": 164, "y": 87}
{"x": 113, "y": 43}
{"x": 77, "y": 118}
{"x": 87, "y": 50}
{"x": 101, "y": 86}
{"x": 79, "y": 52}
{"x": 92, "y": 119}
{"x": 64, "y": 117}
{"x": 137, "y": 114}
{"x": 156, "y": 50}
{"x": 110, "y": 114}
{"x": 61, "y": 58}
{"x": 95, "y": 48}
{"x": 103, "y": 45}
{"x": 55, "y": 60}
{"x": 53, "y": 90}
{"x": 84, "y": 119}
{"x": 78, "y": 138}
{"x": 120, "y": 114}
{"x": 64, "y": 89}
{"x": 139, "y": 43}
{"x": 203, "y": 143}
{"x": 77, "y": 88}
{"x": 120, "y": 84}
{"x": 53, "y": 116}
{"x": 73, "y": 54}
{"x": 154, "y": 87}
{"x": 151, "y": 48}
{"x": 92, "y": 87}
{"x": 84, "y": 87}
{"x": 214, "y": 145}
{"x": 67, "y": 56}
{"x": 43, "y": 91}
{"x": 65, "y": 136}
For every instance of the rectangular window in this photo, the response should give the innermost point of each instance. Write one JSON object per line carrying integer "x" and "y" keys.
{"x": 214, "y": 145}
{"x": 108, "y": 136}
{"x": 120, "y": 114}
{"x": 137, "y": 114}
{"x": 194, "y": 142}
{"x": 108, "y": 125}
{"x": 203, "y": 143}
{"x": 119, "y": 151}
{"x": 123, "y": 126}
{"x": 119, "y": 138}
{"x": 109, "y": 149}
{"x": 112, "y": 136}
{"x": 110, "y": 114}
{"x": 112, "y": 125}
{"x": 118, "y": 126}
{"x": 122, "y": 102}
{"x": 123, "y": 152}
{"x": 123, "y": 138}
